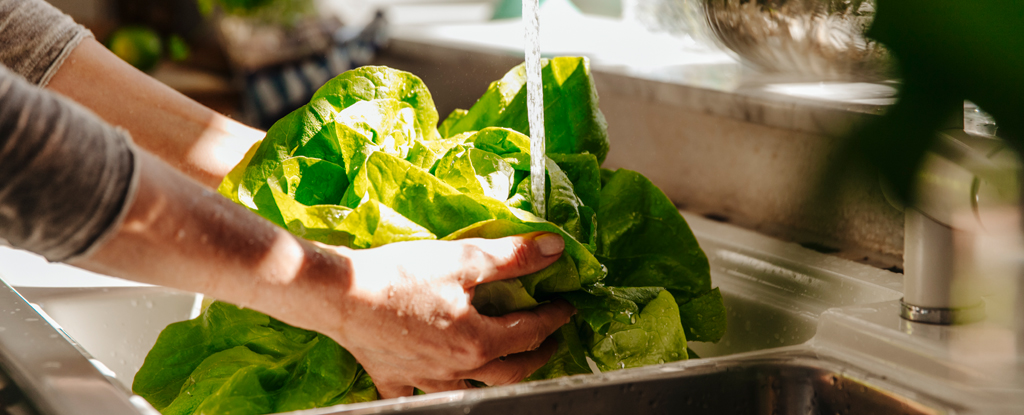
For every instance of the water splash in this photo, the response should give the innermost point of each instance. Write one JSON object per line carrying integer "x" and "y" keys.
{"x": 535, "y": 106}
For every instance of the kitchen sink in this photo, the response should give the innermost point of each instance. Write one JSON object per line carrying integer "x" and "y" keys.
{"x": 775, "y": 293}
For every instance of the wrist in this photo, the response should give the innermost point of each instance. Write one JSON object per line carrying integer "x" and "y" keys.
{"x": 303, "y": 284}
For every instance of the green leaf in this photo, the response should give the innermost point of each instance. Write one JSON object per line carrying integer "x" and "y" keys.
{"x": 282, "y": 138}
{"x": 421, "y": 197}
{"x": 181, "y": 347}
{"x": 572, "y": 121}
{"x": 370, "y": 83}
{"x": 471, "y": 170}
{"x": 599, "y": 305}
{"x": 565, "y": 209}
{"x": 445, "y": 128}
{"x": 656, "y": 337}
{"x": 326, "y": 363}
{"x": 703, "y": 318}
{"x": 502, "y": 297}
{"x": 585, "y": 174}
{"x": 569, "y": 359}
{"x": 229, "y": 186}
{"x": 645, "y": 242}
{"x": 362, "y": 391}
{"x": 228, "y": 380}
{"x": 321, "y": 223}
{"x": 373, "y": 224}
{"x": 311, "y": 181}
{"x": 500, "y": 141}
{"x": 233, "y": 360}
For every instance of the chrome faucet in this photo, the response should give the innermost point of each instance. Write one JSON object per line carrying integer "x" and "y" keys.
{"x": 967, "y": 188}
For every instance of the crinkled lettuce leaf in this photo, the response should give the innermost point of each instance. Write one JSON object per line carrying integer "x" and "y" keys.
{"x": 653, "y": 336}
{"x": 242, "y": 360}
{"x": 573, "y": 123}
{"x": 569, "y": 359}
{"x": 645, "y": 242}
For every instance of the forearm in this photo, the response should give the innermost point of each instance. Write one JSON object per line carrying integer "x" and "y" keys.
{"x": 189, "y": 136}
{"x": 179, "y": 234}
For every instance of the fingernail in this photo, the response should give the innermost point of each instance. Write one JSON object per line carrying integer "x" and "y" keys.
{"x": 550, "y": 244}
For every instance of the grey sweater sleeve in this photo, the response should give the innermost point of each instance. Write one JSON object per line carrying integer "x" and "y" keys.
{"x": 35, "y": 38}
{"x": 66, "y": 177}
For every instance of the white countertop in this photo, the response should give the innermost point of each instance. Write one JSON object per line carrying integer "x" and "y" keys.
{"x": 24, "y": 269}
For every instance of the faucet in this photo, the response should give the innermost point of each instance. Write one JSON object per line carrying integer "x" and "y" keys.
{"x": 967, "y": 188}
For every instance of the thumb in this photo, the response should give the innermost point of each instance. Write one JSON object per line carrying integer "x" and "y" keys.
{"x": 515, "y": 256}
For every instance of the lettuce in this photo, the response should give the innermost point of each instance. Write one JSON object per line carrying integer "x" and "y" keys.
{"x": 365, "y": 164}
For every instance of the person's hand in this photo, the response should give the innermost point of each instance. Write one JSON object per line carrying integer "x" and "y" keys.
{"x": 410, "y": 323}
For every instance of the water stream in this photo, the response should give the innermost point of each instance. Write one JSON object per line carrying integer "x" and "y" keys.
{"x": 535, "y": 105}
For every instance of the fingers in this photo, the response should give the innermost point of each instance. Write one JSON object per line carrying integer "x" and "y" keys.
{"x": 523, "y": 331}
{"x": 511, "y": 369}
{"x": 516, "y": 367}
{"x": 514, "y": 256}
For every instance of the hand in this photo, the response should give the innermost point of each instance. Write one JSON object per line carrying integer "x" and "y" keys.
{"x": 410, "y": 323}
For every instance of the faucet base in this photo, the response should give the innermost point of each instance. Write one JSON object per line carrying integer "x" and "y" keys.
{"x": 943, "y": 316}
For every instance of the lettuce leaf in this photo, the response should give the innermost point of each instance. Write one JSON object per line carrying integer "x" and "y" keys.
{"x": 573, "y": 123}
{"x": 243, "y": 360}
{"x": 645, "y": 242}
{"x": 653, "y": 336}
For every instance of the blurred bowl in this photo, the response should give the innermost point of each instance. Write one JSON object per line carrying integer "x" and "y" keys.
{"x": 823, "y": 39}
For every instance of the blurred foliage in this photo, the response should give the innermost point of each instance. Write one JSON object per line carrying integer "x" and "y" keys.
{"x": 137, "y": 45}
{"x": 142, "y": 47}
{"x": 177, "y": 49}
{"x": 948, "y": 51}
{"x": 272, "y": 11}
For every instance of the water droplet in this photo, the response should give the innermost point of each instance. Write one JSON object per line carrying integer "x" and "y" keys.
{"x": 135, "y": 303}
{"x": 622, "y": 365}
{"x": 31, "y": 319}
{"x": 51, "y": 365}
{"x": 181, "y": 234}
{"x": 149, "y": 304}
{"x": 405, "y": 332}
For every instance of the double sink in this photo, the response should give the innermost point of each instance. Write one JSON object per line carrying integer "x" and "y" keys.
{"x": 769, "y": 362}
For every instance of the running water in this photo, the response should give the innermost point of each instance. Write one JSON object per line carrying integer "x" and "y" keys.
{"x": 535, "y": 106}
